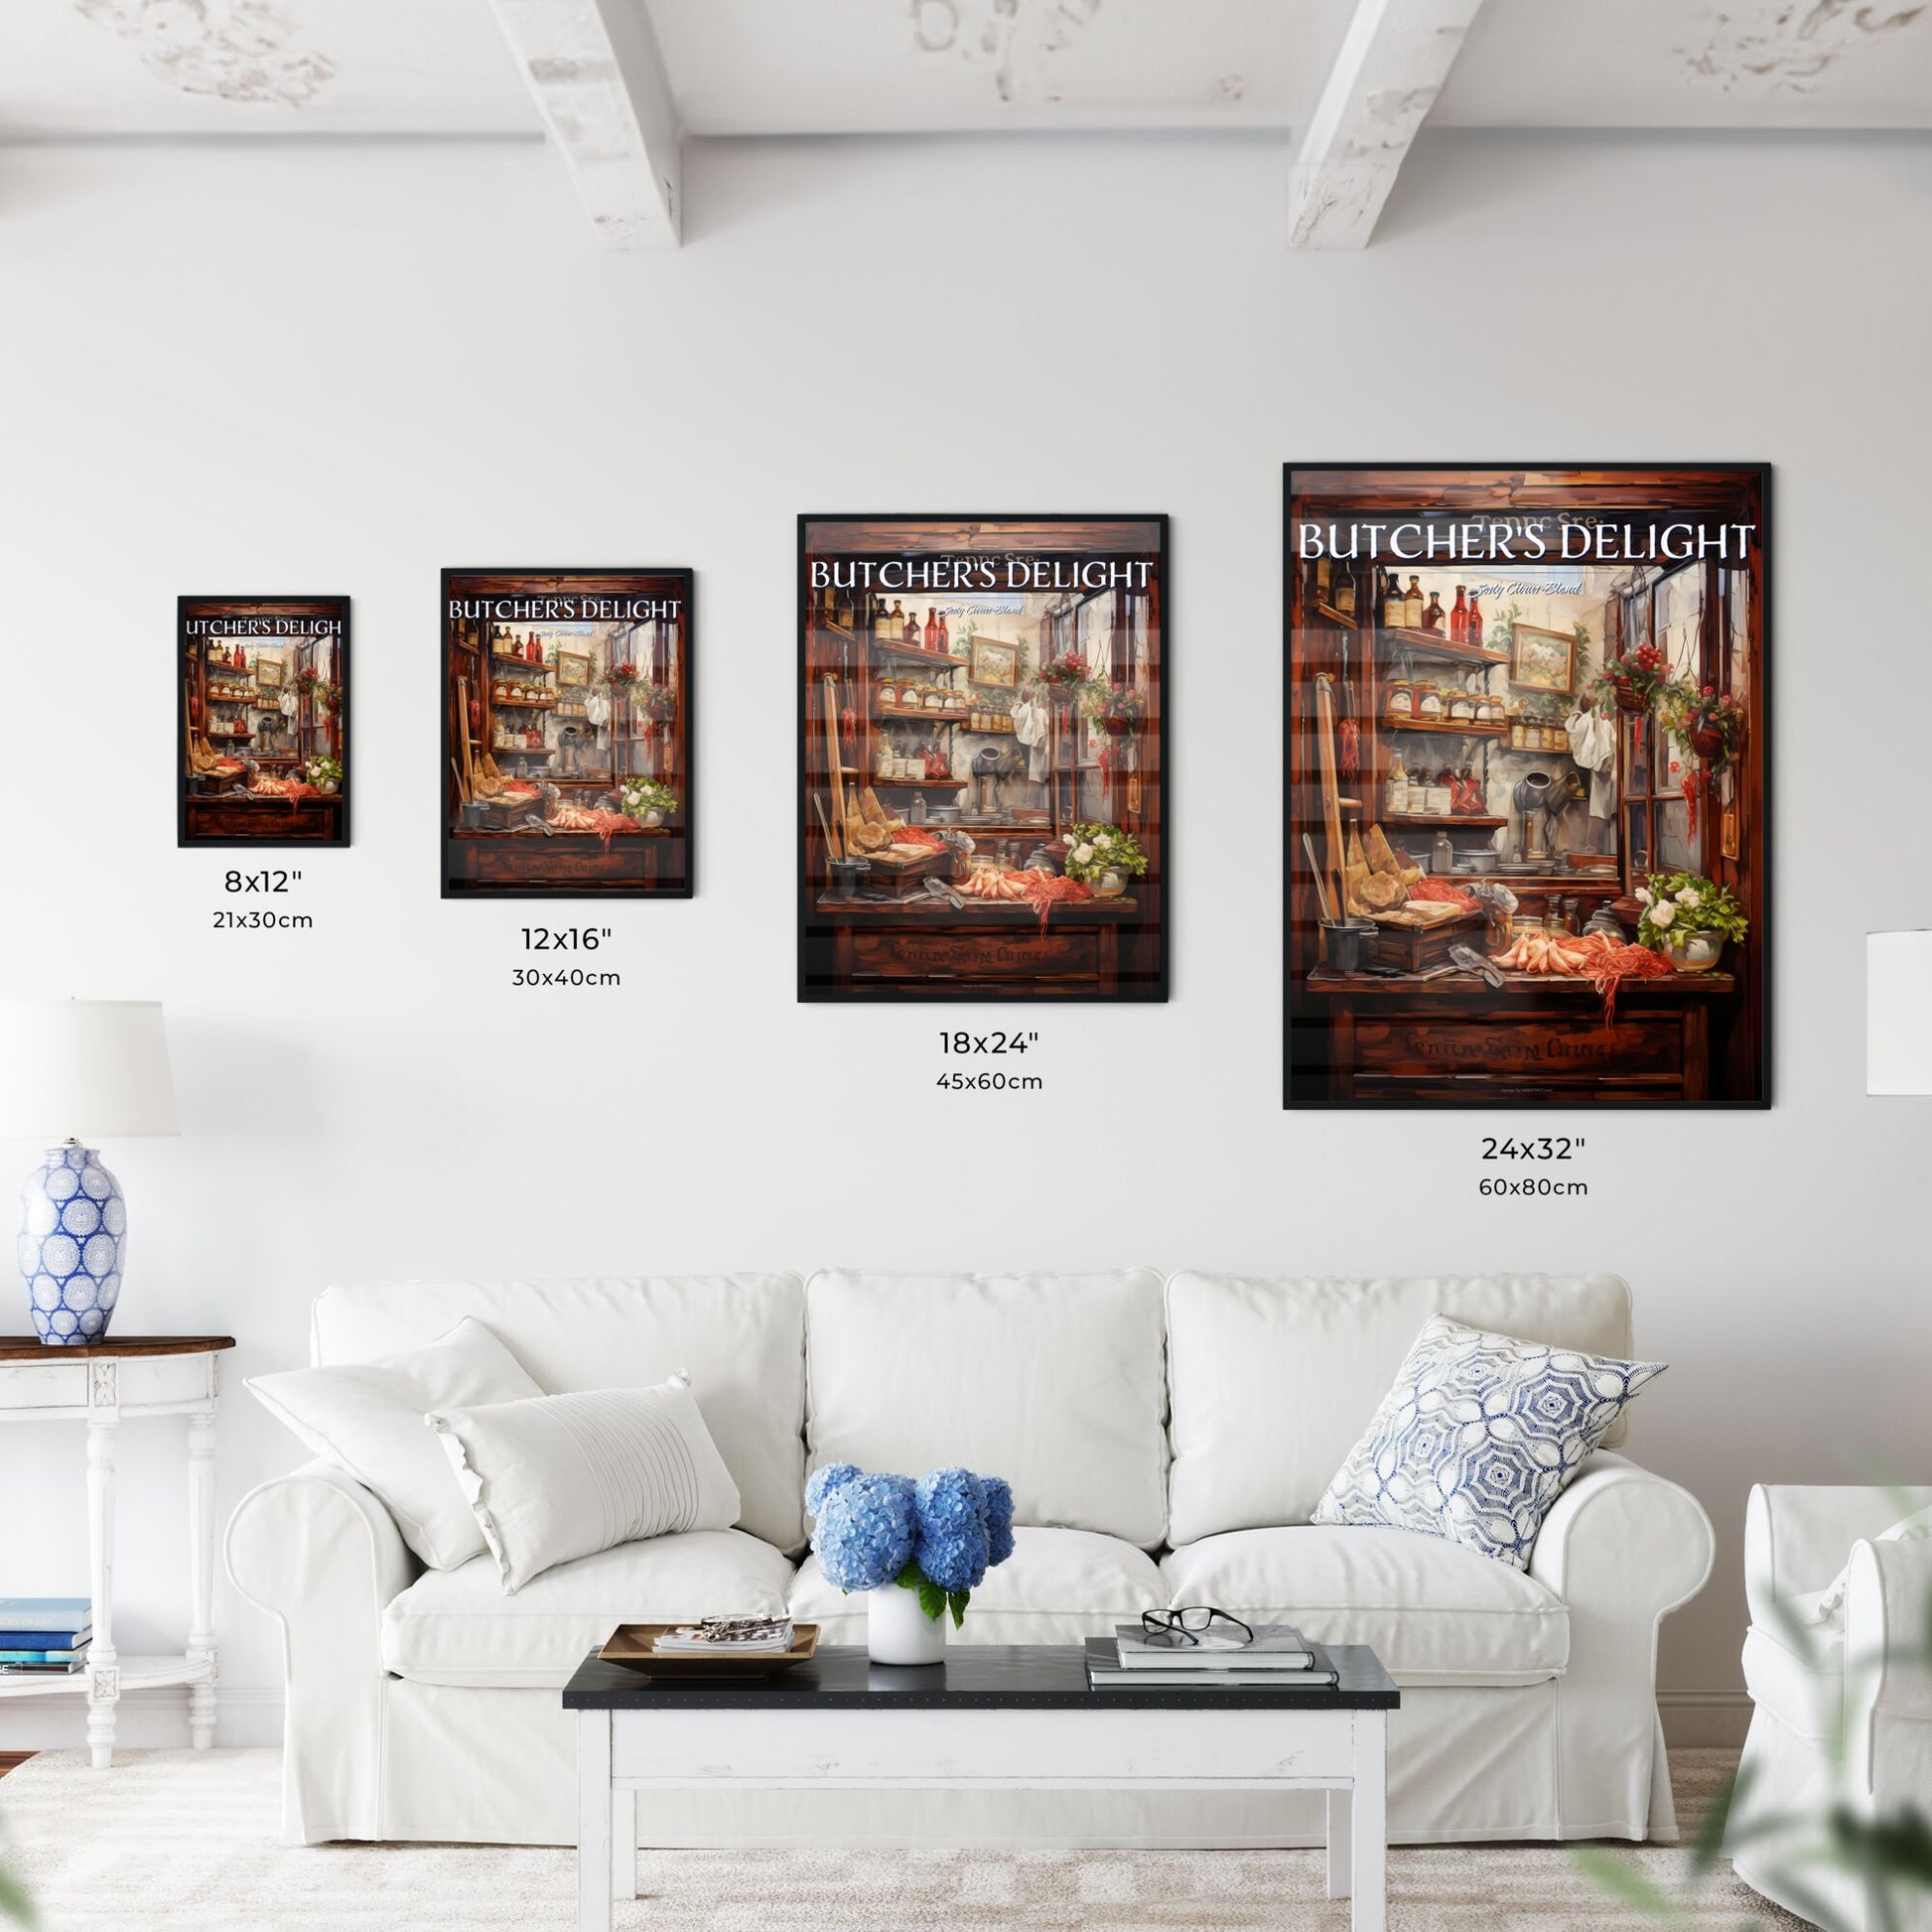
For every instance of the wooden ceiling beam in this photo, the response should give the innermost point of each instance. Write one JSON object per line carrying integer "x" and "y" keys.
{"x": 1393, "y": 61}
{"x": 594, "y": 68}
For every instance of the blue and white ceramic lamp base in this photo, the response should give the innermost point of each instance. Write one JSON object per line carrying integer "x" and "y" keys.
{"x": 72, "y": 1239}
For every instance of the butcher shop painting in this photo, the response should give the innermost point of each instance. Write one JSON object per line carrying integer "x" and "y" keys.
{"x": 567, "y": 734}
{"x": 261, "y": 707}
{"x": 1526, "y": 809}
{"x": 982, "y": 719}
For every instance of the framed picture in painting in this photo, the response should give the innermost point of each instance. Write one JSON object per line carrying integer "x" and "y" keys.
{"x": 983, "y": 817}
{"x": 994, "y": 663}
{"x": 1541, "y": 661}
{"x": 588, "y": 795}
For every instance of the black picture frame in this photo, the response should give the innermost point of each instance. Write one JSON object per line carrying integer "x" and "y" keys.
{"x": 606, "y": 882}
{"x": 1147, "y": 979}
{"x": 1302, "y": 1081}
{"x": 203, "y": 819}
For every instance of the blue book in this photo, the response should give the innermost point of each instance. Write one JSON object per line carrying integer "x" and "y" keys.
{"x": 74, "y": 1656}
{"x": 61, "y": 1614}
{"x": 46, "y": 1639}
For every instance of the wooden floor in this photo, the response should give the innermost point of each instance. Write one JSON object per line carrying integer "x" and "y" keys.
{"x": 8, "y": 1759}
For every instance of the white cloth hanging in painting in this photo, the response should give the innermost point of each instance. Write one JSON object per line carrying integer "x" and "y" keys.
{"x": 597, "y": 708}
{"x": 1592, "y": 744}
{"x": 1033, "y": 724}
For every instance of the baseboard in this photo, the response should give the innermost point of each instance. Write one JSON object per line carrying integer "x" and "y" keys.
{"x": 1705, "y": 1717}
{"x": 147, "y": 1721}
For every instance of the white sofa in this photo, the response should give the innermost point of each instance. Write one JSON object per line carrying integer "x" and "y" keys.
{"x": 1823, "y": 1734}
{"x": 1166, "y": 1444}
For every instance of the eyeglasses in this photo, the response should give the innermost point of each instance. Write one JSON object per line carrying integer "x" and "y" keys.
{"x": 1183, "y": 1628}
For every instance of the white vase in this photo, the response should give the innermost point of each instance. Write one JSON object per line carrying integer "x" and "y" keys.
{"x": 1110, "y": 884}
{"x": 650, "y": 817}
{"x": 1696, "y": 952}
{"x": 898, "y": 1631}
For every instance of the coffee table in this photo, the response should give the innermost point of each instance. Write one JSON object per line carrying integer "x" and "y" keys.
{"x": 1018, "y": 1717}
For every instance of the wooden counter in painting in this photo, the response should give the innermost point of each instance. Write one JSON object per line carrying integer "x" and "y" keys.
{"x": 528, "y": 863}
{"x": 1541, "y": 1040}
{"x": 265, "y": 821}
{"x": 994, "y": 950}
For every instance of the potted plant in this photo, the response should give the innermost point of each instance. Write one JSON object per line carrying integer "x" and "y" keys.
{"x": 918, "y": 1548}
{"x": 1687, "y": 918}
{"x": 1118, "y": 710}
{"x": 654, "y": 703}
{"x": 1065, "y": 679}
{"x": 1711, "y": 725}
{"x": 1633, "y": 683}
{"x": 647, "y": 801}
{"x": 620, "y": 679}
{"x": 325, "y": 773}
{"x": 1104, "y": 857}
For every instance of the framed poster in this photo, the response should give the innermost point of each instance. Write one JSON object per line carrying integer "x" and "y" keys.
{"x": 1527, "y": 800}
{"x": 261, "y": 721}
{"x": 961, "y": 837}
{"x": 567, "y": 734}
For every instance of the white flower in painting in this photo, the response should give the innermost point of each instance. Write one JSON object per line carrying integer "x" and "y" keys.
{"x": 1643, "y": 895}
{"x": 1662, "y": 915}
{"x": 1082, "y": 855}
{"x": 1690, "y": 895}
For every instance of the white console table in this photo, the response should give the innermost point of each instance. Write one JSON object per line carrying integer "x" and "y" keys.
{"x": 103, "y": 1384}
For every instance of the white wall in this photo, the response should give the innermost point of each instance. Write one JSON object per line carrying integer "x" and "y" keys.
{"x": 321, "y": 369}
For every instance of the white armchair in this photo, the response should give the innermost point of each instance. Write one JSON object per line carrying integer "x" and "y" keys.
{"x": 1842, "y": 1706}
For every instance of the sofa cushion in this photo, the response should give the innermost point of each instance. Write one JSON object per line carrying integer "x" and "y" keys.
{"x": 366, "y": 1417}
{"x": 1055, "y": 1382}
{"x": 1272, "y": 1379}
{"x": 740, "y": 1337}
{"x": 1057, "y": 1586}
{"x": 456, "y": 1626}
{"x": 1435, "y": 1612}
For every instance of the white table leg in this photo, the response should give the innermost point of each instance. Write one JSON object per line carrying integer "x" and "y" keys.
{"x": 1370, "y": 1909}
{"x": 594, "y": 1821}
{"x": 624, "y": 1845}
{"x": 103, "y": 1671}
{"x": 1340, "y": 1836}
{"x": 200, "y": 1551}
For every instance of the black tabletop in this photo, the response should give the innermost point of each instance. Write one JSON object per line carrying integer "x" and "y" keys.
{"x": 998, "y": 1677}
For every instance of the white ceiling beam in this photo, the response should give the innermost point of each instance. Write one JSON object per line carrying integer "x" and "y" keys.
{"x": 599, "y": 82}
{"x": 1393, "y": 61}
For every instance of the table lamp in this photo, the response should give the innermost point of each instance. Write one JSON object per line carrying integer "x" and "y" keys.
{"x": 90, "y": 1070}
{"x": 1898, "y": 1012}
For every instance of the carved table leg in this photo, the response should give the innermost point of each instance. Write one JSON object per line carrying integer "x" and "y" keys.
{"x": 200, "y": 1548}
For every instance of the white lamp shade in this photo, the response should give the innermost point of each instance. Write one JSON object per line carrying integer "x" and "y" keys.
{"x": 91, "y": 1069}
{"x": 1898, "y": 1012}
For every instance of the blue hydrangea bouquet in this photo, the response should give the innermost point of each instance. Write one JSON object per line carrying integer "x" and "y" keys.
{"x": 938, "y": 1536}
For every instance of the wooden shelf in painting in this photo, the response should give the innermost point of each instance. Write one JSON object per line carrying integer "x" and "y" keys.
{"x": 1431, "y": 643}
{"x": 525, "y": 664}
{"x": 1459, "y": 728}
{"x": 522, "y": 751}
{"x": 918, "y": 781}
{"x": 920, "y": 654}
{"x": 523, "y": 704}
{"x": 1334, "y": 617}
{"x": 919, "y": 712}
{"x": 1440, "y": 818}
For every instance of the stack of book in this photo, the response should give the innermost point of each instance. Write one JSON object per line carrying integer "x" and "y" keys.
{"x": 738, "y": 1637}
{"x": 44, "y": 1633}
{"x": 1278, "y": 1658}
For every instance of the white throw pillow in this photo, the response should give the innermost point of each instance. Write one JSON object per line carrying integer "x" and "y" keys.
{"x": 1830, "y": 1604}
{"x": 1478, "y": 1435}
{"x": 559, "y": 1476}
{"x": 368, "y": 1417}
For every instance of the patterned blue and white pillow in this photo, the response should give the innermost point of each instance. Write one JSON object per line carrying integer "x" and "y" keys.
{"x": 1479, "y": 1434}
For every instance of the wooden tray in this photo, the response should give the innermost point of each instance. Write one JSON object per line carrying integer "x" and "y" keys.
{"x": 630, "y": 1644}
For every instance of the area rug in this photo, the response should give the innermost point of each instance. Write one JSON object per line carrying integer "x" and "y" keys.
{"x": 181, "y": 1839}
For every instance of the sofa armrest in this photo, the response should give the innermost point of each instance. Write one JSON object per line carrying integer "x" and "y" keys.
{"x": 1888, "y": 1671}
{"x": 1622, "y": 1548}
{"x": 323, "y": 1556}
{"x": 1797, "y": 1538}
{"x": 1623, "y": 1544}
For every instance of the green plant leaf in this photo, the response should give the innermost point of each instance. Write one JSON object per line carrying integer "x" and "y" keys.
{"x": 1707, "y": 1847}
{"x": 14, "y": 1902}
{"x": 933, "y": 1600}
{"x": 957, "y": 1603}
{"x": 1621, "y": 1878}
{"x": 912, "y": 1577}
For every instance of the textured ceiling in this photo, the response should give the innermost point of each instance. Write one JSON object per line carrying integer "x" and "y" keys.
{"x": 771, "y": 67}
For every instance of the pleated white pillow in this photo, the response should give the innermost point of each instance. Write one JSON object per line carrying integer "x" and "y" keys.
{"x": 559, "y": 1476}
